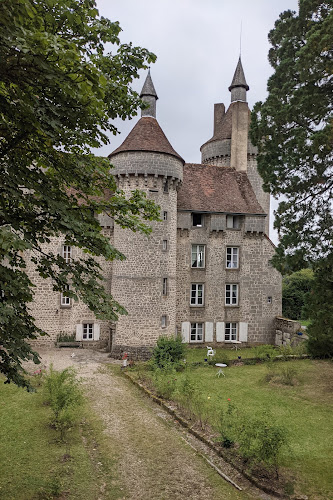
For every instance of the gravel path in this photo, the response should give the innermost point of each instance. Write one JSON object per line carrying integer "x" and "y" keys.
{"x": 154, "y": 461}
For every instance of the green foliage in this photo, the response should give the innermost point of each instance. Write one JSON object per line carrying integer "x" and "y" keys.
{"x": 169, "y": 351}
{"x": 295, "y": 288}
{"x": 65, "y": 337}
{"x": 319, "y": 307}
{"x": 261, "y": 440}
{"x": 164, "y": 382}
{"x": 64, "y": 395}
{"x": 293, "y": 131}
{"x": 59, "y": 92}
{"x": 228, "y": 425}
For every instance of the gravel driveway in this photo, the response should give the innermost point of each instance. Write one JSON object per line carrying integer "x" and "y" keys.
{"x": 154, "y": 460}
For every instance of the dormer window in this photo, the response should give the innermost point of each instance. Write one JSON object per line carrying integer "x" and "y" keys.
{"x": 197, "y": 220}
{"x": 233, "y": 221}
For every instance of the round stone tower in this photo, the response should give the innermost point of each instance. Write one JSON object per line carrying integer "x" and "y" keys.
{"x": 145, "y": 283}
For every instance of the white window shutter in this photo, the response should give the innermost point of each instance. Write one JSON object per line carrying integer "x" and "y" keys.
{"x": 79, "y": 332}
{"x": 209, "y": 331}
{"x": 186, "y": 331}
{"x": 220, "y": 331}
{"x": 96, "y": 331}
{"x": 243, "y": 332}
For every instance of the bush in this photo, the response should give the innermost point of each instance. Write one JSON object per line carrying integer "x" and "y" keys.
{"x": 227, "y": 425}
{"x": 261, "y": 441}
{"x": 295, "y": 289}
{"x": 164, "y": 382}
{"x": 168, "y": 351}
{"x": 64, "y": 395}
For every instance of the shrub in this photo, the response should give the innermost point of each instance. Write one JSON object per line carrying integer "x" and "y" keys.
{"x": 227, "y": 425}
{"x": 164, "y": 382}
{"x": 261, "y": 441}
{"x": 65, "y": 337}
{"x": 64, "y": 395}
{"x": 295, "y": 289}
{"x": 168, "y": 351}
{"x": 264, "y": 352}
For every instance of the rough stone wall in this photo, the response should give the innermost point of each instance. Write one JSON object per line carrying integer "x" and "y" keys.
{"x": 256, "y": 183}
{"x": 147, "y": 163}
{"x": 54, "y": 318}
{"x": 137, "y": 282}
{"x": 256, "y": 278}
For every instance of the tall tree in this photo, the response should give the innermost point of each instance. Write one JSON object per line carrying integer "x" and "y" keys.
{"x": 59, "y": 91}
{"x": 293, "y": 131}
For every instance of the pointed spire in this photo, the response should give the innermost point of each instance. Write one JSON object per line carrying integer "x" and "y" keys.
{"x": 238, "y": 87}
{"x": 149, "y": 96}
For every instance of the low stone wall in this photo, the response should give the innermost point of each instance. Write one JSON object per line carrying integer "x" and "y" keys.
{"x": 140, "y": 353}
{"x": 288, "y": 332}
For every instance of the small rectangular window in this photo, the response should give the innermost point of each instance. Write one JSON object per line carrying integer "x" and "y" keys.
{"x": 197, "y": 220}
{"x": 165, "y": 245}
{"x": 165, "y": 286}
{"x": 163, "y": 321}
{"x": 232, "y": 258}
{"x": 232, "y": 221}
{"x": 165, "y": 215}
{"x": 197, "y": 294}
{"x": 64, "y": 300}
{"x": 88, "y": 331}
{"x": 230, "y": 332}
{"x": 166, "y": 187}
{"x": 196, "y": 332}
{"x": 269, "y": 300}
{"x": 231, "y": 295}
{"x": 67, "y": 253}
{"x": 198, "y": 256}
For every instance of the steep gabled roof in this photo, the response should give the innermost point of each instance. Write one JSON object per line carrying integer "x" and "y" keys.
{"x": 209, "y": 188}
{"x": 147, "y": 135}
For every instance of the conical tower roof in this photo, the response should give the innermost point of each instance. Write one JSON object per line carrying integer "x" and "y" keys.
{"x": 239, "y": 77}
{"x": 148, "y": 87}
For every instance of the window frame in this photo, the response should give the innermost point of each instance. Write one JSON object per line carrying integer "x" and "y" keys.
{"x": 66, "y": 252}
{"x": 197, "y": 332}
{"x": 164, "y": 321}
{"x": 231, "y": 291}
{"x": 231, "y": 331}
{"x": 165, "y": 287}
{"x": 65, "y": 301}
{"x": 165, "y": 215}
{"x": 196, "y": 296}
{"x": 197, "y": 245}
{"x": 165, "y": 245}
{"x": 196, "y": 214}
{"x": 235, "y": 221}
{"x": 231, "y": 257}
{"x": 89, "y": 327}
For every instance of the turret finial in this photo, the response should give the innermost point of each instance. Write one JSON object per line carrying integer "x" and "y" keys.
{"x": 238, "y": 87}
{"x": 149, "y": 96}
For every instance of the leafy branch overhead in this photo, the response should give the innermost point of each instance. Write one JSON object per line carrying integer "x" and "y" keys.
{"x": 293, "y": 131}
{"x": 60, "y": 89}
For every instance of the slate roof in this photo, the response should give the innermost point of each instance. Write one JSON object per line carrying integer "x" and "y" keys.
{"x": 239, "y": 77}
{"x": 148, "y": 87}
{"x": 208, "y": 188}
{"x": 147, "y": 135}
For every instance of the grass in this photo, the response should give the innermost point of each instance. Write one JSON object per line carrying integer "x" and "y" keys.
{"x": 299, "y": 397}
{"x": 36, "y": 465}
{"x": 198, "y": 354}
{"x": 305, "y": 322}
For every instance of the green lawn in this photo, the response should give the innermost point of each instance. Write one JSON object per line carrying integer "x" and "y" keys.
{"x": 35, "y": 464}
{"x": 199, "y": 354}
{"x": 303, "y": 409}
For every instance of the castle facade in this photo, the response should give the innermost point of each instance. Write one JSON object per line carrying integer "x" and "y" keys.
{"x": 205, "y": 270}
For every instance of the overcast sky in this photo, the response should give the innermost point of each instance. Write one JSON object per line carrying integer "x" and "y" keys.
{"x": 197, "y": 43}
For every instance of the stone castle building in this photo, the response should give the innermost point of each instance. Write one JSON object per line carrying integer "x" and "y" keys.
{"x": 204, "y": 271}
